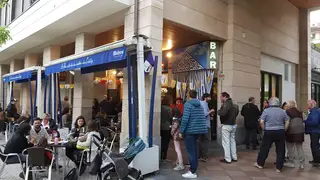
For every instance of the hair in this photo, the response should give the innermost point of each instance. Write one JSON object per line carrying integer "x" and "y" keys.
{"x": 283, "y": 105}
{"x": 292, "y": 104}
{"x": 313, "y": 103}
{"x": 37, "y": 119}
{"x": 167, "y": 100}
{"x": 22, "y": 119}
{"x": 43, "y": 142}
{"x": 46, "y": 116}
{"x": 193, "y": 94}
{"x": 66, "y": 98}
{"x": 251, "y": 99}
{"x": 274, "y": 101}
{"x": 93, "y": 126}
{"x": 225, "y": 94}
{"x": 205, "y": 95}
{"x": 76, "y": 122}
{"x": 24, "y": 128}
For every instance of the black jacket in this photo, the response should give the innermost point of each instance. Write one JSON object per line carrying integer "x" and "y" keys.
{"x": 17, "y": 143}
{"x": 251, "y": 114}
{"x": 228, "y": 112}
{"x": 12, "y": 111}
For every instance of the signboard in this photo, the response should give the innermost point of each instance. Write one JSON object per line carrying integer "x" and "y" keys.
{"x": 213, "y": 55}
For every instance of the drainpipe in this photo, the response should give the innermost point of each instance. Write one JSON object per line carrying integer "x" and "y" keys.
{"x": 141, "y": 75}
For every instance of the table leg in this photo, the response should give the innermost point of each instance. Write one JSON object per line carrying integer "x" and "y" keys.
{"x": 57, "y": 158}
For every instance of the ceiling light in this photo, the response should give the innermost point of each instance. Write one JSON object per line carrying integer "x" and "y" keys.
{"x": 114, "y": 72}
{"x": 169, "y": 54}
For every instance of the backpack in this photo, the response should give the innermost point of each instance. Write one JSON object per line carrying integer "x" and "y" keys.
{"x": 72, "y": 175}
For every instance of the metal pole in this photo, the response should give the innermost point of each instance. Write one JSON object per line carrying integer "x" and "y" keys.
{"x": 3, "y": 95}
{"x": 130, "y": 96}
{"x": 38, "y": 93}
{"x": 59, "y": 101}
{"x": 11, "y": 95}
{"x": 141, "y": 87}
{"x": 31, "y": 104}
{"x": 54, "y": 97}
{"x": 134, "y": 98}
{"x": 35, "y": 110}
{"x": 153, "y": 90}
{"x": 50, "y": 95}
{"x": 45, "y": 95}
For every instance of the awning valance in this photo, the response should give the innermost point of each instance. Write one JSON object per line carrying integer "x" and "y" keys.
{"x": 112, "y": 53}
{"x": 20, "y": 75}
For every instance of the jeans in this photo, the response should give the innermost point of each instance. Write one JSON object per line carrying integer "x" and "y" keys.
{"x": 190, "y": 142}
{"x": 315, "y": 147}
{"x": 229, "y": 142}
{"x": 270, "y": 137}
{"x": 292, "y": 149}
{"x": 251, "y": 136}
{"x": 165, "y": 140}
{"x": 204, "y": 144}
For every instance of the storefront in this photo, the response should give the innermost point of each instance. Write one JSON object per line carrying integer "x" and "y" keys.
{"x": 193, "y": 67}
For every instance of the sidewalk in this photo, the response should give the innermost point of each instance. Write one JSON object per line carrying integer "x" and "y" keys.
{"x": 214, "y": 170}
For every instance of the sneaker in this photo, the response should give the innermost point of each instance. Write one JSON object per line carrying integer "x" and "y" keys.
{"x": 189, "y": 175}
{"x": 311, "y": 162}
{"x": 179, "y": 167}
{"x": 278, "y": 171}
{"x": 203, "y": 159}
{"x": 234, "y": 160}
{"x": 301, "y": 166}
{"x": 290, "y": 165}
{"x": 225, "y": 161}
{"x": 258, "y": 166}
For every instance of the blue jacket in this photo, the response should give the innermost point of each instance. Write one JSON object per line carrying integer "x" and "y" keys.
{"x": 193, "y": 119}
{"x": 312, "y": 123}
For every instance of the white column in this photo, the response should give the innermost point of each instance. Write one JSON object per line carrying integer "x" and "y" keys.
{"x": 151, "y": 27}
{"x": 4, "y": 69}
{"x": 83, "y": 83}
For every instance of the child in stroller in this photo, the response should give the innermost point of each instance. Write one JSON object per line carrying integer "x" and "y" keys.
{"x": 116, "y": 165}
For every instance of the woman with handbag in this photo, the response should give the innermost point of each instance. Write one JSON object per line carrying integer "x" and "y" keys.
{"x": 295, "y": 136}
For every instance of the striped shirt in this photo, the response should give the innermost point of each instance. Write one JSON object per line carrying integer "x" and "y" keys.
{"x": 274, "y": 118}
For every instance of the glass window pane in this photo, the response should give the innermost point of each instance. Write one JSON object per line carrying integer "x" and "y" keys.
{"x": 266, "y": 86}
{"x": 313, "y": 91}
{"x": 274, "y": 86}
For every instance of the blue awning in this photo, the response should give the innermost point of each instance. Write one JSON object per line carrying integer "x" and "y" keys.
{"x": 17, "y": 77}
{"x": 110, "y": 56}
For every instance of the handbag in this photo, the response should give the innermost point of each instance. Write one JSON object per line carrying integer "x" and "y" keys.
{"x": 95, "y": 164}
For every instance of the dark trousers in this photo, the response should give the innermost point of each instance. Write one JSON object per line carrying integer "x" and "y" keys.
{"x": 251, "y": 136}
{"x": 203, "y": 141}
{"x": 190, "y": 142}
{"x": 165, "y": 140}
{"x": 270, "y": 137}
{"x": 315, "y": 147}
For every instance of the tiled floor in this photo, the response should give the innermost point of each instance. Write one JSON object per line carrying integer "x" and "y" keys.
{"x": 214, "y": 170}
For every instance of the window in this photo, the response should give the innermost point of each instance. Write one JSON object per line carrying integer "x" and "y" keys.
{"x": 270, "y": 86}
{"x": 286, "y": 72}
{"x": 315, "y": 92}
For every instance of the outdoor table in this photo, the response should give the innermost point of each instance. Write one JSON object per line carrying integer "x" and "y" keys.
{"x": 56, "y": 147}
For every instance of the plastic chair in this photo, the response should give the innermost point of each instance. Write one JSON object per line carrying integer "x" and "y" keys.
{"x": 9, "y": 159}
{"x": 34, "y": 159}
{"x": 94, "y": 147}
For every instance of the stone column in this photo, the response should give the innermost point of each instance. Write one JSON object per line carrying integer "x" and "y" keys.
{"x": 30, "y": 60}
{"x": 50, "y": 53}
{"x": 83, "y": 83}
{"x": 16, "y": 65}
{"x": 4, "y": 69}
{"x": 151, "y": 25}
{"x": 241, "y": 57}
{"x": 303, "y": 84}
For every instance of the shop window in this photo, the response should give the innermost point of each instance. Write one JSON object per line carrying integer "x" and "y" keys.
{"x": 270, "y": 86}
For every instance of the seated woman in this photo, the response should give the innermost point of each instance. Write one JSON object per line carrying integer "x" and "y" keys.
{"x": 49, "y": 124}
{"x": 79, "y": 129}
{"x": 73, "y": 151}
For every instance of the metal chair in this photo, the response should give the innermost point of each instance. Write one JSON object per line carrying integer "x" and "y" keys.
{"x": 94, "y": 147}
{"x": 9, "y": 159}
{"x": 35, "y": 159}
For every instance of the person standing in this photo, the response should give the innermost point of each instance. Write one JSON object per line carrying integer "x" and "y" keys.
{"x": 251, "y": 115}
{"x": 204, "y": 138}
{"x": 166, "y": 121}
{"x": 228, "y": 114}
{"x": 192, "y": 125}
{"x": 274, "y": 121}
{"x": 294, "y": 136}
{"x": 312, "y": 127}
{"x": 12, "y": 111}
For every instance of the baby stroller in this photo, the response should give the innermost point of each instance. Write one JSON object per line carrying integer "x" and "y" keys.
{"x": 115, "y": 166}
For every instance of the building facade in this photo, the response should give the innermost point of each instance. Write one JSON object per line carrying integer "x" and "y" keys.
{"x": 264, "y": 50}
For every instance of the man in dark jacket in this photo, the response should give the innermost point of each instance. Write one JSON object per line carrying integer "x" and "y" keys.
{"x": 251, "y": 114}
{"x": 312, "y": 126}
{"x": 11, "y": 110}
{"x": 228, "y": 114}
{"x": 192, "y": 125}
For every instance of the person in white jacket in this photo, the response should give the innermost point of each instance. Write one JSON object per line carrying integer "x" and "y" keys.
{"x": 73, "y": 151}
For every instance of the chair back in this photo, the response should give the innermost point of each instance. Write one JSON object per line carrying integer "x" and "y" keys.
{"x": 36, "y": 156}
{"x": 94, "y": 146}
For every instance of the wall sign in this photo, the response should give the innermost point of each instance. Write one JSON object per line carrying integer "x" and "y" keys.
{"x": 213, "y": 55}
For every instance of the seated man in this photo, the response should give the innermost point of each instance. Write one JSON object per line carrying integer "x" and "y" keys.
{"x": 37, "y": 132}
